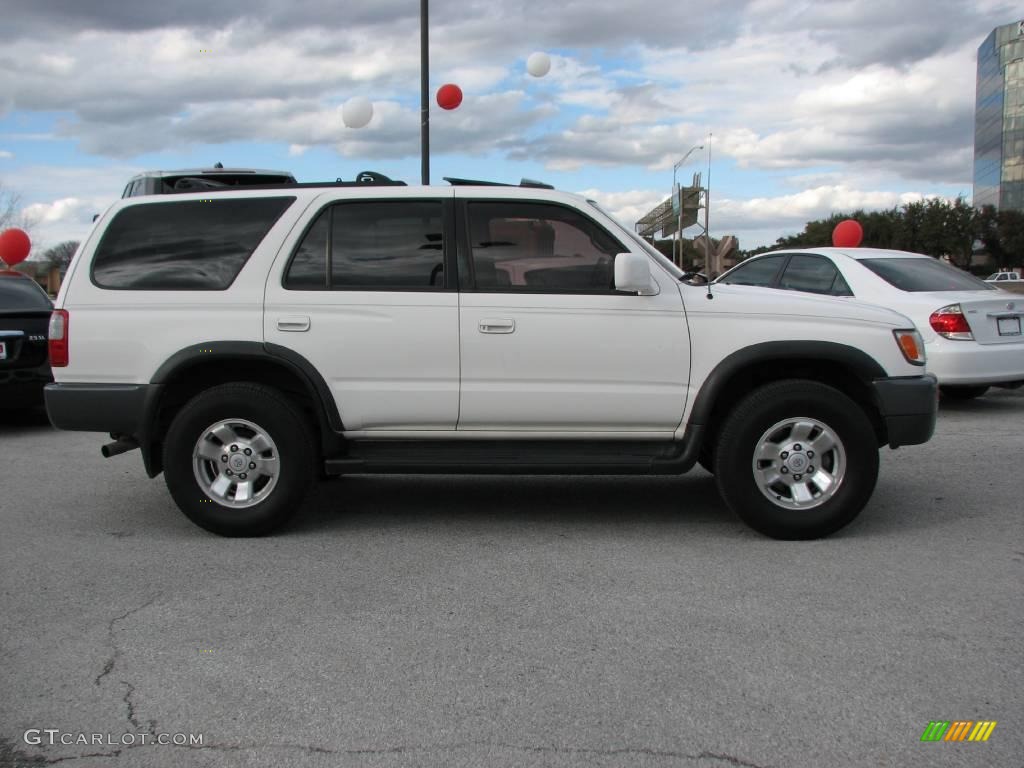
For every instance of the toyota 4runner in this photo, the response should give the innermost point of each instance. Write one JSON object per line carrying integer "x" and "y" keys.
{"x": 249, "y": 340}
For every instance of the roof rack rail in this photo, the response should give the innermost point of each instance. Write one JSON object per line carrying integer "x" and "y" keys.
{"x": 455, "y": 182}
{"x": 363, "y": 179}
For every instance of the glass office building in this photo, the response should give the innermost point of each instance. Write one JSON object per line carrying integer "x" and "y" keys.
{"x": 999, "y": 119}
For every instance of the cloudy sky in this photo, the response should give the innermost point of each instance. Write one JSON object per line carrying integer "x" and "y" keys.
{"x": 814, "y": 106}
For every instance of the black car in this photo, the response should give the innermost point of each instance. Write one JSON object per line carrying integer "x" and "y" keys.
{"x": 24, "y": 363}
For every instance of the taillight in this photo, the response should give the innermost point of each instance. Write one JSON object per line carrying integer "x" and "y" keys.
{"x": 58, "y": 338}
{"x": 950, "y": 322}
{"x": 910, "y": 345}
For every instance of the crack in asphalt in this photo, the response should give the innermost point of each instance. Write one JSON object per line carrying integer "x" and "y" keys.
{"x": 111, "y": 662}
{"x": 7, "y": 751}
{"x": 400, "y": 749}
{"x": 108, "y": 667}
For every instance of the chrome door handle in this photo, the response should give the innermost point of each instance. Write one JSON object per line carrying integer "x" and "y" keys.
{"x": 293, "y": 323}
{"x": 497, "y": 326}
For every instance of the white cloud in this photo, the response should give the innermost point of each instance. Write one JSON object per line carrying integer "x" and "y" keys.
{"x": 68, "y": 218}
{"x": 841, "y": 96}
{"x": 801, "y": 207}
{"x": 626, "y": 206}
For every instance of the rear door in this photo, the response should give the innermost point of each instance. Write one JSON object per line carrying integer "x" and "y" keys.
{"x": 364, "y": 288}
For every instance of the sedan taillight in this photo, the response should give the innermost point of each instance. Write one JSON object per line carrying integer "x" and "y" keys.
{"x": 58, "y": 338}
{"x": 949, "y": 322}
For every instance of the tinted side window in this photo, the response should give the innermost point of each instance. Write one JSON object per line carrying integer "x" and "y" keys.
{"x": 390, "y": 245}
{"x": 308, "y": 269}
{"x": 760, "y": 272}
{"x": 540, "y": 247}
{"x": 191, "y": 245}
{"x": 813, "y": 274}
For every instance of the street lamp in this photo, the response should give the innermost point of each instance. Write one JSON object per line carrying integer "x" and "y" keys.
{"x": 675, "y": 202}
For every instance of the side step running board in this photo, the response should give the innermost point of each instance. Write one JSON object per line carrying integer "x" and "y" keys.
{"x": 515, "y": 457}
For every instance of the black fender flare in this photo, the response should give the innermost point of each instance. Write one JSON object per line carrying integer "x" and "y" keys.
{"x": 865, "y": 367}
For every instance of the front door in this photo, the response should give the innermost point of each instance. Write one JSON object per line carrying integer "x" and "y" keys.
{"x": 548, "y": 344}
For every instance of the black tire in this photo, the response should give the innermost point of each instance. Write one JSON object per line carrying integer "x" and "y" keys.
{"x": 760, "y": 420}
{"x": 237, "y": 407}
{"x": 963, "y": 393}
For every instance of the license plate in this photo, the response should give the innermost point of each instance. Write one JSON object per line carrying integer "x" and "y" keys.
{"x": 3, "y": 350}
{"x": 1009, "y": 326}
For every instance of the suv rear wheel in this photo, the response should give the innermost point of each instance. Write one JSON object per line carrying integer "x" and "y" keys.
{"x": 238, "y": 459}
{"x": 796, "y": 459}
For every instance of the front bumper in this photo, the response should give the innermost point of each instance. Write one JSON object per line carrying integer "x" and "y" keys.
{"x": 908, "y": 407}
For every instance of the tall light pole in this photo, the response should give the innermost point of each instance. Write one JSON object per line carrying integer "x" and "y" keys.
{"x": 424, "y": 96}
{"x": 675, "y": 202}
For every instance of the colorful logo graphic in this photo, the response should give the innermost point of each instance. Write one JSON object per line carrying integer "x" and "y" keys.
{"x": 958, "y": 730}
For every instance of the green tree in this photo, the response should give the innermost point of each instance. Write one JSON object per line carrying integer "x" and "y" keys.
{"x": 60, "y": 255}
{"x": 1010, "y": 227}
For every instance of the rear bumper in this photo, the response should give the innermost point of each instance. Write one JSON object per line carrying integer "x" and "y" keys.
{"x": 908, "y": 407}
{"x": 23, "y": 387}
{"x": 968, "y": 362}
{"x": 123, "y": 410}
{"x": 117, "y": 408}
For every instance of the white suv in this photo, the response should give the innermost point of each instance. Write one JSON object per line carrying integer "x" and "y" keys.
{"x": 246, "y": 340}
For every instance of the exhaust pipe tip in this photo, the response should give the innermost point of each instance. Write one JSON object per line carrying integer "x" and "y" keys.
{"x": 123, "y": 445}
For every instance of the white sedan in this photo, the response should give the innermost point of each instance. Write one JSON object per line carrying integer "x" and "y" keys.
{"x": 971, "y": 329}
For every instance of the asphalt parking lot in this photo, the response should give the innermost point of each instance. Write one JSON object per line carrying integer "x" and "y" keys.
{"x": 482, "y": 621}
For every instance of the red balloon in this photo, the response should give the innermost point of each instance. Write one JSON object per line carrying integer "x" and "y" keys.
{"x": 14, "y": 246}
{"x": 847, "y": 234}
{"x": 449, "y": 96}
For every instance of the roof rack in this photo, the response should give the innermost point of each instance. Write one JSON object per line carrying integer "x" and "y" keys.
{"x": 363, "y": 179}
{"x": 478, "y": 183}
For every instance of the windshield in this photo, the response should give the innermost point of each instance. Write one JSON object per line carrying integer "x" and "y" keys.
{"x": 21, "y": 293}
{"x": 654, "y": 252}
{"x": 921, "y": 275}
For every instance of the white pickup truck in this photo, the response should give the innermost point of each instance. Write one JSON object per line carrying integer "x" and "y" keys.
{"x": 1003, "y": 277}
{"x": 248, "y": 340}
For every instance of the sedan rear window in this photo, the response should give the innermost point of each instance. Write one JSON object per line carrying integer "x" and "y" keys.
{"x": 920, "y": 275}
{"x": 21, "y": 293}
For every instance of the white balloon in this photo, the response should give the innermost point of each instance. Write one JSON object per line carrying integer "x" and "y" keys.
{"x": 357, "y": 112}
{"x": 539, "y": 64}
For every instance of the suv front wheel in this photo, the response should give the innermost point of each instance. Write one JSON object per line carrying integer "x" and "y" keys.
{"x": 238, "y": 459}
{"x": 796, "y": 459}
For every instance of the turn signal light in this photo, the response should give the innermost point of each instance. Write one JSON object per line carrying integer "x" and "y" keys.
{"x": 949, "y": 322}
{"x": 911, "y": 345}
{"x": 58, "y": 338}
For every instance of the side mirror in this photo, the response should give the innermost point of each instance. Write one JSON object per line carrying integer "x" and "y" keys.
{"x": 633, "y": 274}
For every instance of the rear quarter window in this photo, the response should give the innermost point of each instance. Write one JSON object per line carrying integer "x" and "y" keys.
{"x": 188, "y": 245}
